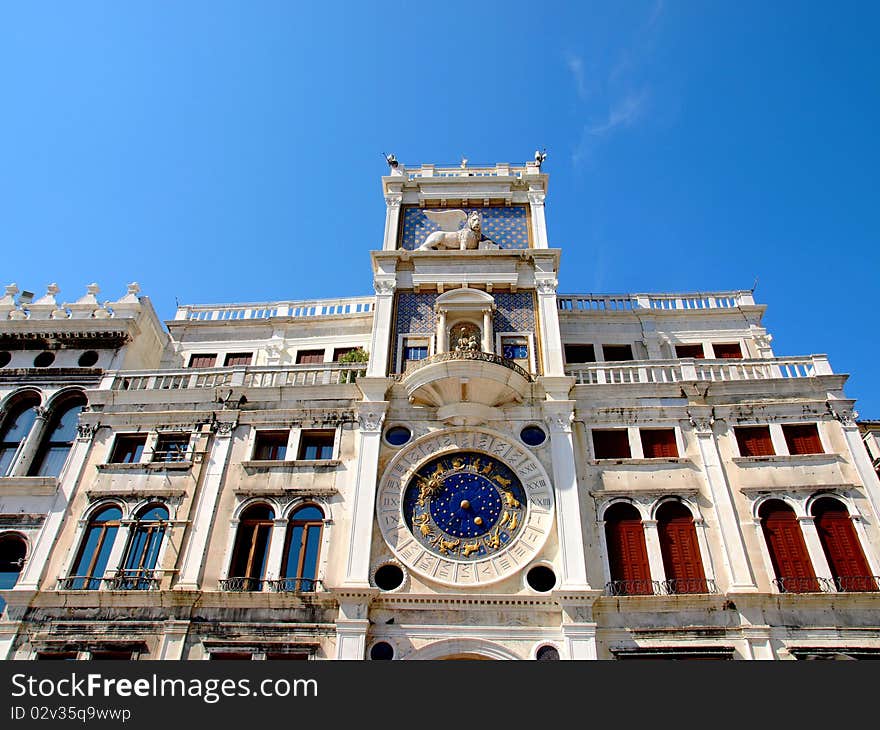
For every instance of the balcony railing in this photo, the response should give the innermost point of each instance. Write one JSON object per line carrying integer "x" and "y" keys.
{"x": 630, "y": 302}
{"x": 840, "y": 584}
{"x": 468, "y": 355}
{"x": 133, "y": 580}
{"x": 279, "y": 585}
{"x": 671, "y": 587}
{"x": 331, "y": 373}
{"x": 265, "y": 310}
{"x": 688, "y": 369}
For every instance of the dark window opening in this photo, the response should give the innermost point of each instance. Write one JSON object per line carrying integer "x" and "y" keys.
{"x": 112, "y": 655}
{"x": 171, "y": 447}
{"x": 727, "y": 350}
{"x": 579, "y": 353}
{"x": 611, "y": 444}
{"x": 16, "y": 427}
{"x": 802, "y": 438}
{"x": 541, "y": 578}
{"x": 388, "y": 577}
{"x": 382, "y": 651}
{"x": 57, "y": 443}
{"x": 300, "y": 569}
{"x": 695, "y": 351}
{"x": 659, "y": 443}
{"x": 67, "y": 656}
{"x": 271, "y": 445}
{"x": 287, "y": 656}
{"x": 309, "y": 357}
{"x": 5, "y": 358}
{"x": 314, "y": 445}
{"x": 231, "y": 656}
{"x": 128, "y": 449}
{"x": 251, "y": 549}
{"x": 44, "y": 359}
{"x": 754, "y": 440}
{"x": 88, "y": 359}
{"x": 398, "y": 435}
{"x": 616, "y": 353}
{"x": 94, "y": 552}
{"x": 533, "y": 435}
{"x": 547, "y": 654}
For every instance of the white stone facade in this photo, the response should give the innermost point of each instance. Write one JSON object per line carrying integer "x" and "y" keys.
{"x": 241, "y": 486}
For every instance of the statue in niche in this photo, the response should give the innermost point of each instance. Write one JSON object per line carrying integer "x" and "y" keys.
{"x": 458, "y": 230}
{"x": 467, "y": 338}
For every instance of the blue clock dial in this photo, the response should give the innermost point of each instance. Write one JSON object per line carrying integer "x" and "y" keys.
{"x": 464, "y": 506}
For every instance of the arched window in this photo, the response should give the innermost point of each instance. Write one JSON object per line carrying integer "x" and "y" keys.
{"x": 847, "y": 561}
{"x": 15, "y": 429}
{"x": 12, "y": 552}
{"x": 300, "y": 568}
{"x": 138, "y": 571}
{"x": 94, "y": 552}
{"x": 251, "y": 549}
{"x": 680, "y": 549}
{"x": 58, "y": 439}
{"x": 788, "y": 551}
{"x": 627, "y": 554}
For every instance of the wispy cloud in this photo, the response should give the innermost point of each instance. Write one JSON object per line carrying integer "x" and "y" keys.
{"x": 576, "y": 67}
{"x": 623, "y": 113}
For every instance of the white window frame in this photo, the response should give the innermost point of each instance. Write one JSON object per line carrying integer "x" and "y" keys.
{"x": 530, "y": 341}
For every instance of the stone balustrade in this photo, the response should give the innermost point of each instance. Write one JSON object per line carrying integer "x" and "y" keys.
{"x": 25, "y": 307}
{"x": 689, "y": 369}
{"x": 675, "y": 302}
{"x": 266, "y": 310}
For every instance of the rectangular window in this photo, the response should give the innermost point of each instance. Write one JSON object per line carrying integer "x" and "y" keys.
{"x": 727, "y": 351}
{"x": 580, "y": 353}
{"x": 515, "y": 348}
{"x": 611, "y": 444}
{"x": 658, "y": 443}
{"x": 203, "y": 360}
{"x": 68, "y": 656}
{"x": 695, "y": 351}
{"x": 340, "y": 351}
{"x": 615, "y": 353}
{"x": 171, "y": 447}
{"x": 128, "y": 449}
{"x": 238, "y": 358}
{"x": 802, "y": 438}
{"x": 287, "y": 655}
{"x": 230, "y": 655}
{"x": 754, "y": 440}
{"x": 309, "y": 357}
{"x": 271, "y": 445}
{"x": 112, "y": 655}
{"x": 315, "y": 445}
{"x": 415, "y": 352}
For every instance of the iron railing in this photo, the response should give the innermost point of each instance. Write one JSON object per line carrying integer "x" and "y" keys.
{"x": 294, "y": 585}
{"x": 134, "y": 580}
{"x": 240, "y": 585}
{"x": 670, "y": 587}
{"x": 838, "y": 584}
{"x": 468, "y": 355}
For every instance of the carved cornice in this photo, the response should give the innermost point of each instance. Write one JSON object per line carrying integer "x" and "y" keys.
{"x": 546, "y": 286}
{"x": 85, "y": 432}
{"x": 393, "y": 201}
{"x": 371, "y": 416}
{"x": 384, "y": 286}
{"x": 223, "y": 429}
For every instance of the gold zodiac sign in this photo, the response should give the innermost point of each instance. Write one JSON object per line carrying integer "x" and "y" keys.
{"x": 444, "y": 546}
{"x": 421, "y": 521}
{"x": 501, "y": 480}
{"x": 429, "y": 487}
{"x": 493, "y": 542}
{"x": 467, "y": 549}
{"x": 457, "y": 462}
{"x": 510, "y": 501}
{"x": 514, "y": 521}
{"x": 503, "y": 519}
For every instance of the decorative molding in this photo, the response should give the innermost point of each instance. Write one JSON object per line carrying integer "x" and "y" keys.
{"x": 384, "y": 286}
{"x": 223, "y": 428}
{"x": 393, "y": 201}
{"x": 546, "y": 286}
{"x": 847, "y": 418}
{"x": 702, "y": 423}
{"x": 85, "y": 432}
{"x": 371, "y": 416}
{"x": 537, "y": 198}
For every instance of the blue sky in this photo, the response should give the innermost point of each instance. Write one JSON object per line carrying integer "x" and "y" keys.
{"x": 220, "y": 152}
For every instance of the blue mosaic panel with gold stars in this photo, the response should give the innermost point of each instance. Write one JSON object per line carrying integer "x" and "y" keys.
{"x": 415, "y": 314}
{"x": 508, "y": 226}
{"x": 515, "y": 312}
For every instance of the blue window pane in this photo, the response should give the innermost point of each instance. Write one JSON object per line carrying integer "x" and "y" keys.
{"x": 310, "y": 561}
{"x": 157, "y": 513}
{"x": 53, "y": 461}
{"x": 416, "y": 353}
{"x": 19, "y": 425}
{"x": 516, "y": 352}
{"x": 6, "y": 455}
{"x": 308, "y": 513}
{"x": 65, "y": 429}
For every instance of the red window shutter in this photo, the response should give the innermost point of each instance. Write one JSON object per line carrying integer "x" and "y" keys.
{"x": 611, "y": 444}
{"x": 659, "y": 443}
{"x": 680, "y": 549}
{"x": 842, "y": 547}
{"x": 203, "y": 361}
{"x": 238, "y": 358}
{"x": 788, "y": 551}
{"x": 802, "y": 438}
{"x": 304, "y": 357}
{"x": 754, "y": 440}
{"x": 695, "y": 351}
{"x": 627, "y": 552}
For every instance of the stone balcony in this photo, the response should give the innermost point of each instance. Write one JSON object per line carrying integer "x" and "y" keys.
{"x": 467, "y": 387}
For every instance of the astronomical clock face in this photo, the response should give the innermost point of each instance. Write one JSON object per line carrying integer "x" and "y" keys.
{"x": 465, "y": 508}
{"x": 466, "y": 505}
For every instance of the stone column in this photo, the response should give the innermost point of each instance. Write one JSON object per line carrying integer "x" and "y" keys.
{"x": 488, "y": 336}
{"x": 735, "y": 557}
{"x": 814, "y": 547}
{"x": 442, "y": 344}
{"x": 25, "y": 457}
{"x": 35, "y": 566}
{"x": 276, "y": 549}
{"x": 371, "y": 415}
{"x": 578, "y": 627}
{"x": 173, "y": 641}
{"x": 383, "y": 329}
{"x": 551, "y": 339}
{"x": 860, "y": 457}
{"x": 392, "y": 220}
{"x": 539, "y": 220}
{"x": 352, "y": 624}
{"x": 558, "y": 415}
{"x": 203, "y": 514}
{"x": 655, "y": 554}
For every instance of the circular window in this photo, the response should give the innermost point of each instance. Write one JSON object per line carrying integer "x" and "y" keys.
{"x": 541, "y": 578}
{"x": 382, "y": 650}
{"x": 87, "y": 359}
{"x": 5, "y": 357}
{"x": 533, "y": 435}
{"x": 388, "y": 577}
{"x": 547, "y": 654}
{"x": 398, "y": 435}
{"x": 44, "y": 359}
